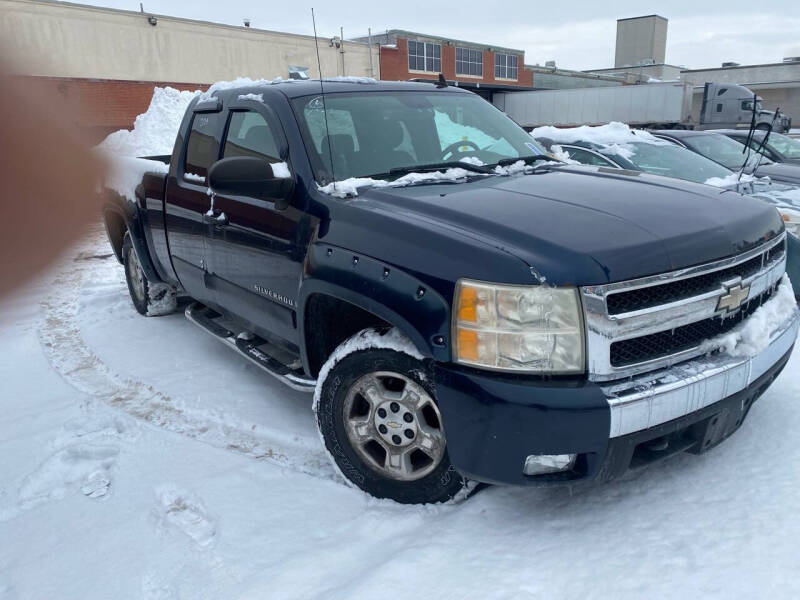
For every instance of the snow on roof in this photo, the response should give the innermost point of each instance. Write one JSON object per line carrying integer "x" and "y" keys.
{"x": 256, "y": 97}
{"x": 604, "y": 135}
{"x": 239, "y": 82}
{"x": 613, "y": 138}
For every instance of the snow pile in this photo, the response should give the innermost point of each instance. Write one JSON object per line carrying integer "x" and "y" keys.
{"x": 349, "y": 187}
{"x": 124, "y": 173}
{"x": 155, "y": 130}
{"x": 752, "y": 336}
{"x": 613, "y": 138}
{"x": 256, "y": 97}
{"x": 472, "y": 160}
{"x": 729, "y": 181}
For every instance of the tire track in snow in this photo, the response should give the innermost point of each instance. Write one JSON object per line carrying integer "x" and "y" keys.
{"x": 70, "y": 355}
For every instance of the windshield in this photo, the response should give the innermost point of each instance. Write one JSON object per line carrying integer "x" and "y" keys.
{"x": 674, "y": 161}
{"x": 722, "y": 149}
{"x": 784, "y": 145}
{"x": 370, "y": 134}
{"x": 748, "y": 105}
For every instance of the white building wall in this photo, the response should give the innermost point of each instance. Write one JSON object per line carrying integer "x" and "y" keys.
{"x": 58, "y": 39}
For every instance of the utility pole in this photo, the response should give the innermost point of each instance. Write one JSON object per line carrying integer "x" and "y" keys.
{"x": 341, "y": 48}
{"x": 369, "y": 43}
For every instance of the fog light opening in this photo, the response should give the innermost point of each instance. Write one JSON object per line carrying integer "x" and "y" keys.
{"x": 540, "y": 464}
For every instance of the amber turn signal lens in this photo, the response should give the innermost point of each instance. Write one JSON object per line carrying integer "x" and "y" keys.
{"x": 468, "y": 305}
{"x": 467, "y": 345}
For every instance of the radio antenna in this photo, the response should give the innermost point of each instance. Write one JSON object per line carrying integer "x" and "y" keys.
{"x": 322, "y": 93}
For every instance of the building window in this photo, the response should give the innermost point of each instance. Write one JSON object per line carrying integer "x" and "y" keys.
{"x": 424, "y": 56}
{"x": 505, "y": 66}
{"x": 469, "y": 62}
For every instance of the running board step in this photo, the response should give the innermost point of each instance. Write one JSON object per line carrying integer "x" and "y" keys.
{"x": 257, "y": 350}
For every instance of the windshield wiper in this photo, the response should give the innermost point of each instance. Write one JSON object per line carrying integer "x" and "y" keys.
{"x": 528, "y": 160}
{"x": 453, "y": 164}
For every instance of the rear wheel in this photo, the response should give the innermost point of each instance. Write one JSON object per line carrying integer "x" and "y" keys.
{"x": 377, "y": 413}
{"x": 151, "y": 299}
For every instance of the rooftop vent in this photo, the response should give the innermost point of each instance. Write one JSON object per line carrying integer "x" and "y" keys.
{"x": 730, "y": 64}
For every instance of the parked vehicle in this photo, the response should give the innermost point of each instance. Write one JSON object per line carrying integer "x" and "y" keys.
{"x": 465, "y": 307}
{"x": 643, "y": 154}
{"x": 731, "y": 152}
{"x": 676, "y": 159}
{"x": 778, "y": 148}
{"x": 654, "y": 106}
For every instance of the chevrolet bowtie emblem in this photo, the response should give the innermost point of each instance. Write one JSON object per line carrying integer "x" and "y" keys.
{"x": 734, "y": 298}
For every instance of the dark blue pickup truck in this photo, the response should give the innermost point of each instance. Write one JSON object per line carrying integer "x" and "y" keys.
{"x": 465, "y": 307}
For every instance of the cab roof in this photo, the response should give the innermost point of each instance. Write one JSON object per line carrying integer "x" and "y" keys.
{"x": 295, "y": 88}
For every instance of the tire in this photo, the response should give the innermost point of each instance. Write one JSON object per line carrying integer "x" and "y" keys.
{"x": 377, "y": 414}
{"x": 151, "y": 299}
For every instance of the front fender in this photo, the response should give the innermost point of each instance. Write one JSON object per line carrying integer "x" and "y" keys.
{"x": 419, "y": 311}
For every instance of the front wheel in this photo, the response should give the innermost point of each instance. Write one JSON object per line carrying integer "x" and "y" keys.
{"x": 377, "y": 414}
{"x": 151, "y": 299}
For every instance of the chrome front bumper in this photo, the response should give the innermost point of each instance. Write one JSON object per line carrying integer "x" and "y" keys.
{"x": 648, "y": 400}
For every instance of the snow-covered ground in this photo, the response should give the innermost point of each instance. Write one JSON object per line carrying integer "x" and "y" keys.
{"x": 142, "y": 459}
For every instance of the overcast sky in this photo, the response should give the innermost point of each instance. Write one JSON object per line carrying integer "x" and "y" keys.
{"x": 576, "y": 34}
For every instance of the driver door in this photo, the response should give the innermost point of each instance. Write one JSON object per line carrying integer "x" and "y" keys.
{"x": 257, "y": 249}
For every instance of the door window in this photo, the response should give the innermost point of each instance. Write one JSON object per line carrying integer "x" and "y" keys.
{"x": 202, "y": 148}
{"x": 249, "y": 134}
{"x": 588, "y": 158}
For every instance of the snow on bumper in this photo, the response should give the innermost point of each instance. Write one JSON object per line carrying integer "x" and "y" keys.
{"x": 653, "y": 399}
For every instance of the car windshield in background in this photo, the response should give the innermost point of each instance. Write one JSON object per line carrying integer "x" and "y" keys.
{"x": 784, "y": 145}
{"x": 673, "y": 161}
{"x": 371, "y": 135}
{"x": 723, "y": 150}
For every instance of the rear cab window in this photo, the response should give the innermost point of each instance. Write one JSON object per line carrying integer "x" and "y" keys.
{"x": 202, "y": 148}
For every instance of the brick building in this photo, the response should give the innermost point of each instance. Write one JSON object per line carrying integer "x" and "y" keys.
{"x": 405, "y": 55}
{"x": 101, "y": 64}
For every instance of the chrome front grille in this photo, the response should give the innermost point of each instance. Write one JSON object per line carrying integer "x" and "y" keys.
{"x": 653, "y": 322}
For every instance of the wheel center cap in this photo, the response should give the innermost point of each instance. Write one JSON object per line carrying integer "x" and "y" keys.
{"x": 396, "y": 424}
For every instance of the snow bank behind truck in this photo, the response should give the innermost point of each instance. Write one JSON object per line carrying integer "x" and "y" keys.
{"x": 655, "y": 105}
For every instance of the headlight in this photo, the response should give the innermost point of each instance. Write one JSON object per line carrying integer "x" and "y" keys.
{"x": 536, "y": 329}
{"x": 791, "y": 219}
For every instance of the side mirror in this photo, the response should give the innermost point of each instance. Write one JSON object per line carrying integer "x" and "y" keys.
{"x": 253, "y": 177}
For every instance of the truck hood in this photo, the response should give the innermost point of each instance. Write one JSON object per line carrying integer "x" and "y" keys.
{"x": 588, "y": 225}
{"x": 782, "y": 172}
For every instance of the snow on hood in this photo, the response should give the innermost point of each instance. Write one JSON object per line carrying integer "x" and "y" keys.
{"x": 349, "y": 187}
{"x": 613, "y": 138}
{"x": 783, "y": 196}
{"x": 752, "y": 336}
{"x": 729, "y": 181}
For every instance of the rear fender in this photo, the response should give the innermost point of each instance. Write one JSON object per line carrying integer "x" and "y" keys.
{"x": 117, "y": 207}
